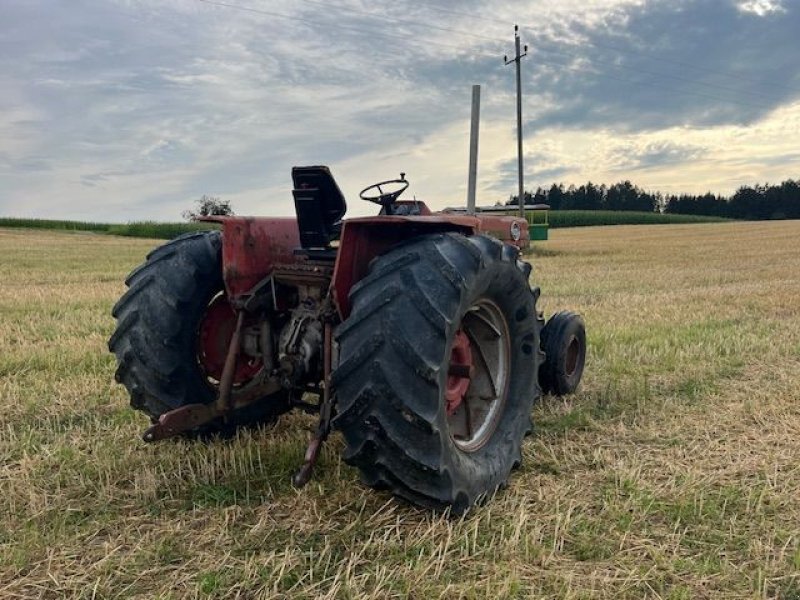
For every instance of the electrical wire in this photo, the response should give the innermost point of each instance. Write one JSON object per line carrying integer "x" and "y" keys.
{"x": 328, "y": 5}
{"x": 624, "y": 51}
{"x": 443, "y": 44}
{"x": 538, "y": 48}
{"x": 319, "y": 23}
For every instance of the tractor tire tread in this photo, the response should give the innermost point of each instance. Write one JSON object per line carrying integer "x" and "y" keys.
{"x": 385, "y": 380}
{"x": 551, "y": 379}
{"x": 155, "y": 338}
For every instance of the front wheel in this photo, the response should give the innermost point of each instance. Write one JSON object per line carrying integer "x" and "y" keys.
{"x": 564, "y": 345}
{"x": 437, "y": 371}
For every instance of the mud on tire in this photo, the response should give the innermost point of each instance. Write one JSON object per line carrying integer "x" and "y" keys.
{"x": 155, "y": 341}
{"x": 394, "y": 357}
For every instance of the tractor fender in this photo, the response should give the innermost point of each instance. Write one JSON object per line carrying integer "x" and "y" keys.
{"x": 365, "y": 238}
{"x": 251, "y": 247}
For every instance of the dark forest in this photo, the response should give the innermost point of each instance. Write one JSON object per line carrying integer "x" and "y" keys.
{"x": 759, "y": 202}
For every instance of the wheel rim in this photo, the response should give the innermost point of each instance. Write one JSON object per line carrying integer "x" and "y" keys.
{"x": 214, "y": 338}
{"x": 573, "y": 352}
{"x": 477, "y": 378}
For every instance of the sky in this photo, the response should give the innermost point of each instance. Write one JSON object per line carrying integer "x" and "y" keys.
{"x": 118, "y": 110}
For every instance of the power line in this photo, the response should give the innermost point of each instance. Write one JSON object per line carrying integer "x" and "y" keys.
{"x": 493, "y": 39}
{"x": 485, "y": 53}
{"x": 260, "y": 11}
{"x": 461, "y": 32}
{"x": 413, "y": 23}
{"x": 459, "y": 13}
{"x": 624, "y": 51}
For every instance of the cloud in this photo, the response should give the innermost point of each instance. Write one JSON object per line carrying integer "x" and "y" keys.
{"x": 761, "y": 7}
{"x": 633, "y": 156}
{"x": 670, "y": 63}
{"x": 132, "y": 109}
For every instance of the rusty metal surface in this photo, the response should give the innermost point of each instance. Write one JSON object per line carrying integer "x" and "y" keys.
{"x": 365, "y": 238}
{"x": 308, "y": 273}
{"x": 179, "y": 420}
{"x": 459, "y": 371}
{"x": 191, "y": 416}
{"x": 214, "y": 338}
{"x": 502, "y": 228}
{"x": 251, "y": 246}
{"x": 229, "y": 370}
{"x": 499, "y": 226}
{"x": 464, "y": 221}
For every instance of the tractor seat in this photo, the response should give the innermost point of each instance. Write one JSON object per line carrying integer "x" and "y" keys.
{"x": 319, "y": 205}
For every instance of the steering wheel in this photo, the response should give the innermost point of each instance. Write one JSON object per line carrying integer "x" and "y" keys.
{"x": 385, "y": 198}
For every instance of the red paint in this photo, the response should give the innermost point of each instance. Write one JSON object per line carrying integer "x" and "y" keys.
{"x": 251, "y": 246}
{"x": 365, "y": 238}
{"x": 500, "y": 228}
{"x": 216, "y": 331}
{"x": 457, "y": 385}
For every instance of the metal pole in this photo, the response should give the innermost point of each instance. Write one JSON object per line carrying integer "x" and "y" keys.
{"x": 473, "y": 148}
{"x": 519, "y": 132}
{"x": 516, "y": 59}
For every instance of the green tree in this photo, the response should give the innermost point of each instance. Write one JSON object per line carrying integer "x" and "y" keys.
{"x": 209, "y": 206}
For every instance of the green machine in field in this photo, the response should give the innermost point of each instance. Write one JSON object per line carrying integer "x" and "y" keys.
{"x": 538, "y": 221}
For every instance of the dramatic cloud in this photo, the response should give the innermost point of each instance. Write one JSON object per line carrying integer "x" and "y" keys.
{"x": 131, "y": 109}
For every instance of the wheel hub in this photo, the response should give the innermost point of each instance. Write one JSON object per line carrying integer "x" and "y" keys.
{"x": 459, "y": 373}
{"x": 573, "y": 351}
{"x": 215, "y": 333}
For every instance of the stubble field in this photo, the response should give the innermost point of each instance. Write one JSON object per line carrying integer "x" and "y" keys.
{"x": 673, "y": 473}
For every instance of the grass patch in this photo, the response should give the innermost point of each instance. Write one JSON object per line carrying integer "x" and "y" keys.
{"x": 672, "y": 473}
{"x": 142, "y": 229}
{"x": 53, "y": 224}
{"x": 154, "y": 230}
{"x": 588, "y": 218}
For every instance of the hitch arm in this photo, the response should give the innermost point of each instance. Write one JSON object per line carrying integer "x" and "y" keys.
{"x": 190, "y": 416}
{"x": 303, "y": 474}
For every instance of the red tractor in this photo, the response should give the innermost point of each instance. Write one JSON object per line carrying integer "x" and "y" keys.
{"x": 414, "y": 333}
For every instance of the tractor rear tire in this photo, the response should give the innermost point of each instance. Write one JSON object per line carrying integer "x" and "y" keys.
{"x": 564, "y": 345}
{"x": 422, "y": 304}
{"x": 156, "y": 339}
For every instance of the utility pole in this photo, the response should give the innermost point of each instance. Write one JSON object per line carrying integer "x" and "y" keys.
{"x": 473, "y": 148}
{"x": 516, "y": 60}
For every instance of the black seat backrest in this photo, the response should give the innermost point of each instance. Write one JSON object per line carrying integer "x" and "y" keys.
{"x": 319, "y": 205}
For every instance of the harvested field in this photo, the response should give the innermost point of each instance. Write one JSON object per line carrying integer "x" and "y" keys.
{"x": 674, "y": 473}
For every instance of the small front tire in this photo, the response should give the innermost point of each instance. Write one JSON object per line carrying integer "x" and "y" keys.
{"x": 564, "y": 345}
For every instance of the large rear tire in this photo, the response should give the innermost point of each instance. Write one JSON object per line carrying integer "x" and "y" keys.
{"x": 428, "y": 311}
{"x": 158, "y": 323}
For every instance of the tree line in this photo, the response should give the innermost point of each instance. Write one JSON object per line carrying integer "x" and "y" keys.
{"x": 758, "y": 202}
